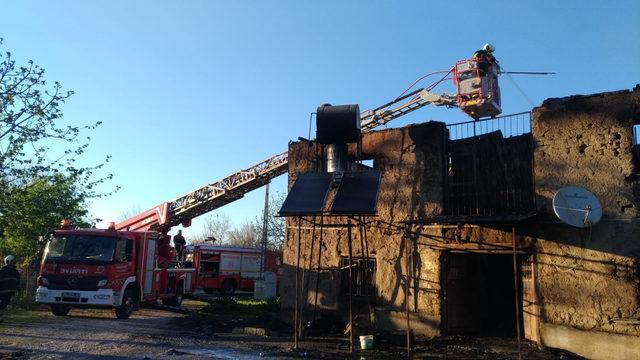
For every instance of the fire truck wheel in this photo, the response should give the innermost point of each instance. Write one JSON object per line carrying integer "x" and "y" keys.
{"x": 60, "y": 310}
{"x": 228, "y": 287}
{"x": 128, "y": 304}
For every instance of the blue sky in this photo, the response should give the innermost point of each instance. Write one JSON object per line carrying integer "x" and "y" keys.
{"x": 192, "y": 91}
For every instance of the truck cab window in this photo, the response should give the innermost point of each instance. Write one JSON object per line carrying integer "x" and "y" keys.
{"x": 210, "y": 264}
{"x": 124, "y": 250}
{"x": 80, "y": 248}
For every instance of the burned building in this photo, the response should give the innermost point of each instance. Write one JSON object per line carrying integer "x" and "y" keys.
{"x": 465, "y": 236}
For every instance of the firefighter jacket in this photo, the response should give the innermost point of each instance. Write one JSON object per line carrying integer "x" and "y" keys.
{"x": 9, "y": 279}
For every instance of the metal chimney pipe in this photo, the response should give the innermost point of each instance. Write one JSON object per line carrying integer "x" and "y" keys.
{"x": 336, "y": 155}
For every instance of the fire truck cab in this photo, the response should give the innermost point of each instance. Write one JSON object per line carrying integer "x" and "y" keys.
{"x": 107, "y": 268}
{"x": 477, "y": 90}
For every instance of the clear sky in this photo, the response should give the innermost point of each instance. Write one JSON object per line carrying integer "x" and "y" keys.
{"x": 192, "y": 91}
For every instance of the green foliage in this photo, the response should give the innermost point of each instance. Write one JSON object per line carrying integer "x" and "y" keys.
{"x": 242, "y": 307}
{"x": 32, "y": 133}
{"x": 25, "y": 298}
{"x": 34, "y": 139}
{"x": 37, "y": 208}
{"x": 40, "y": 182}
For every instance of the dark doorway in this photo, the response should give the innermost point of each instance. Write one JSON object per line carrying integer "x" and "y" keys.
{"x": 479, "y": 294}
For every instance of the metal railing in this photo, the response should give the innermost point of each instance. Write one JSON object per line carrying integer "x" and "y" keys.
{"x": 508, "y": 125}
{"x": 490, "y": 167}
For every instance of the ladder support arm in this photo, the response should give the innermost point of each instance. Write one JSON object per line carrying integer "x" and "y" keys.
{"x": 235, "y": 186}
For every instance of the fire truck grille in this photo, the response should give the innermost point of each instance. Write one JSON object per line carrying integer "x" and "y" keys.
{"x": 86, "y": 283}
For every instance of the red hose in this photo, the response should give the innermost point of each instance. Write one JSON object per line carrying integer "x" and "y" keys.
{"x": 420, "y": 79}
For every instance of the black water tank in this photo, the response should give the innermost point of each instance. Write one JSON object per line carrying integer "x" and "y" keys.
{"x": 338, "y": 124}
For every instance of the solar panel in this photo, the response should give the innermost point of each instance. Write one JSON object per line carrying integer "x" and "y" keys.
{"x": 357, "y": 194}
{"x": 307, "y": 195}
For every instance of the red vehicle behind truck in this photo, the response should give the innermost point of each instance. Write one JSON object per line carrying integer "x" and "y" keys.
{"x": 110, "y": 269}
{"x": 230, "y": 268}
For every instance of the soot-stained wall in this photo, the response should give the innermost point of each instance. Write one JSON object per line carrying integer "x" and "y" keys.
{"x": 588, "y": 279}
{"x": 582, "y": 285}
{"x": 411, "y": 162}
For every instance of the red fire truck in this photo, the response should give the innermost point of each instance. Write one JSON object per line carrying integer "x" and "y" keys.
{"x": 230, "y": 268}
{"x": 108, "y": 268}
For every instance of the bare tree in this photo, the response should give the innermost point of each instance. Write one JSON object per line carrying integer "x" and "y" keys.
{"x": 246, "y": 234}
{"x": 216, "y": 230}
{"x": 129, "y": 213}
{"x": 275, "y": 224}
{"x": 219, "y": 229}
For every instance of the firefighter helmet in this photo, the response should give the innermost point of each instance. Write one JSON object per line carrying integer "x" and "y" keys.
{"x": 9, "y": 259}
{"x": 488, "y": 47}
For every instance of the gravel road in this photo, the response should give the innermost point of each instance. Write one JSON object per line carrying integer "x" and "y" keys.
{"x": 159, "y": 334}
{"x": 96, "y": 334}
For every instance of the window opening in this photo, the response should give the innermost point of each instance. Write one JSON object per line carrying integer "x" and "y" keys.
{"x": 363, "y": 276}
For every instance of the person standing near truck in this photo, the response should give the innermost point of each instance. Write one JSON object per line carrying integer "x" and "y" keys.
{"x": 9, "y": 282}
{"x": 179, "y": 243}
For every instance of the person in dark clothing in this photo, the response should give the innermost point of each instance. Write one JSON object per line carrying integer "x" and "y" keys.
{"x": 179, "y": 243}
{"x": 9, "y": 281}
{"x": 485, "y": 58}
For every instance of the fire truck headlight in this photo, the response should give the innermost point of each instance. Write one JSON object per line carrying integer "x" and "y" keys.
{"x": 102, "y": 283}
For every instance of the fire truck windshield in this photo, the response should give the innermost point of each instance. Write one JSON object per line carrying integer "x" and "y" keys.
{"x": 80, "y": 248}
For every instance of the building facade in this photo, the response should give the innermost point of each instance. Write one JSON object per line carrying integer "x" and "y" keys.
{"x": 460, "y": 206}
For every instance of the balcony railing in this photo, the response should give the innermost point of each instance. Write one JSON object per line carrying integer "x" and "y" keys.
{"x": 490, "y": 167}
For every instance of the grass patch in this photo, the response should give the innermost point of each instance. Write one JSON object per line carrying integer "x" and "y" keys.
{"x": 25, "y": 300}
{"x": 193, "y": 304}
{"x": 241, "y": 307}
{"x": 224, "y": 315}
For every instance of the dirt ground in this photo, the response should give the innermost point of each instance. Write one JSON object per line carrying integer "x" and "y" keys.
{"x": 159, "y": 334}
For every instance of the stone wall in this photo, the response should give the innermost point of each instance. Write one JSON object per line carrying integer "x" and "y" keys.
{"x": 588, "y": 141}
{"x": 588, "y": 279}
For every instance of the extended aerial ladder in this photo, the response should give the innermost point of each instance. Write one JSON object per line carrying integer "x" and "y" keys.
{"x": 233, "y": 187}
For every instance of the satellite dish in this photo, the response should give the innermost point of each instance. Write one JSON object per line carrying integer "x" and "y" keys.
{"x": 577, "y": 206}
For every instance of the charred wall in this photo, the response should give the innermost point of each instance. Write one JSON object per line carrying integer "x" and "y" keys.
{"x": 490, "y": 175}
{"x": 585, "y": 282}
{"x": 588, "y": 141}
{"x": 411, "y": 162}
{"x": 588, "y": 278}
